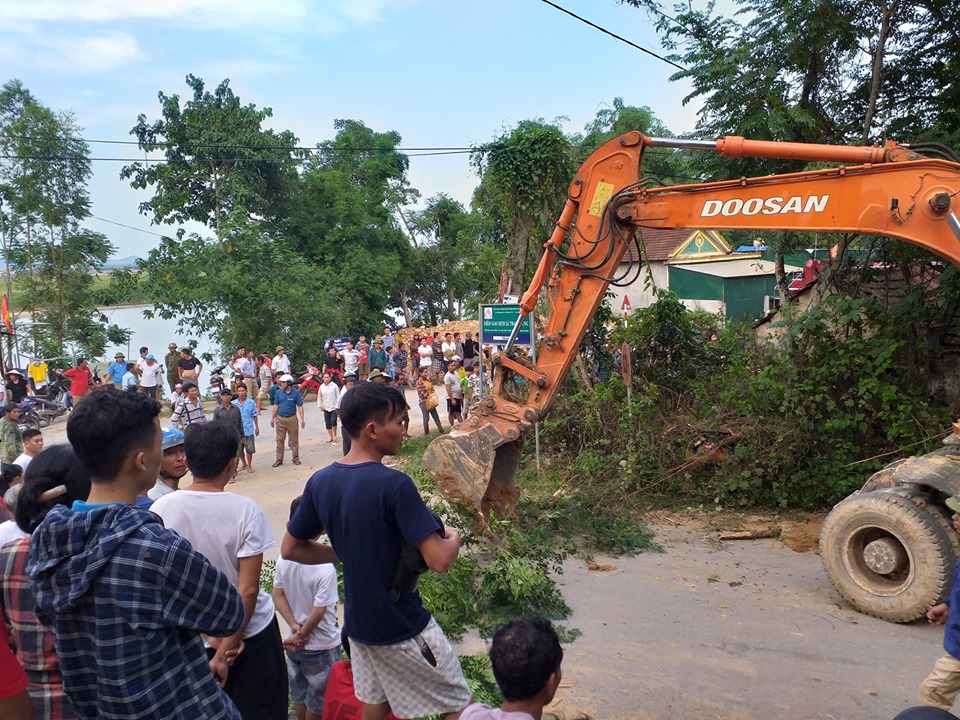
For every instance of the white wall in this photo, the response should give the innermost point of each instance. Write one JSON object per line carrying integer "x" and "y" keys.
{"x": 639, "y": 296}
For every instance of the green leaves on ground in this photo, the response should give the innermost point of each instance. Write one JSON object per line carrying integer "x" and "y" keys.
{"x": 510, "y": 570}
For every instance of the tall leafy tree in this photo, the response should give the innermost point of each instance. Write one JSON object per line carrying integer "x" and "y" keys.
{"x": 524, "y": 175}
{"x": 343, "y": 218}
{"x": 441, "y": 251}
{"x": 247, "y": 289}
{"x": 43, "y": 182}
{"x": 662, "y": 166}
{"x": 217, "y": 156}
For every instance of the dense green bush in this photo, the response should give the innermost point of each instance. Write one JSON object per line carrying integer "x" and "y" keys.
{"x": 800, "y": 422}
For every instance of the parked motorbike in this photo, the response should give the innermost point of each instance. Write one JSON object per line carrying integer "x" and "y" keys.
{"x": 309, "y": 380}
{"x": 54, "y": 400}
{"x": 30, "y": 416}
{"x": 218, "y": 380}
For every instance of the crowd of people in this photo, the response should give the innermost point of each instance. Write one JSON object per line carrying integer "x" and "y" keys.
{"x": 257, "y": 380}
{"x": 122, "y": 599}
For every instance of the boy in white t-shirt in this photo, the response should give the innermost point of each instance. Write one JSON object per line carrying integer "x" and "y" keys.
{"x": 351, "y": 360}
{"x": 306, "y": 598}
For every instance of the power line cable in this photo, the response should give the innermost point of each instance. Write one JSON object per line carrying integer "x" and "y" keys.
{"x": 613, "y": 35}
{"x": 51, "y": 158}
{"x": 129, "y": 227}
{"x": 220, "y": 146}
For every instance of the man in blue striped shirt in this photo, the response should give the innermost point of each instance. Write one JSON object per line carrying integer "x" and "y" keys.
{"x": 125, "y": 598}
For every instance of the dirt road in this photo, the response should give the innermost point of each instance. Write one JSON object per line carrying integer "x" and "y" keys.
{"x": 738, "y": 630}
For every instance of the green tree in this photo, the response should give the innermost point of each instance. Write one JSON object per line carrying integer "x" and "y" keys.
{"x": 524, "y": 176}
{"x": 247, "y": 289}
{"x": 43, "y": 184}
{"x": 441, "y": 226}
{"x": 663, "y": 166}
{"x": 343, "y": 218}
{"x": 217, "y": 157}
{"x": 815, "y": 71}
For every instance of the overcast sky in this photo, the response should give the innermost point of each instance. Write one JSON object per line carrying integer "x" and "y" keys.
{"x": 442, "y": 73}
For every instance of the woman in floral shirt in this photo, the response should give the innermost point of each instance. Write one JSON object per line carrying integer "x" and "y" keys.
{"x": 425, "y": 390}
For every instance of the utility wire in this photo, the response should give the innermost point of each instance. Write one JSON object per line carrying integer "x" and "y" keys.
{"x": 129, "y": 227}
{"x": 51, "y": 158}
{"x": 613, "y": 35}
{"x": 218, "y": 146}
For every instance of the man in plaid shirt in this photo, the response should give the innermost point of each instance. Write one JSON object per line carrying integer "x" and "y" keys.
{"x": 125, "y": 598}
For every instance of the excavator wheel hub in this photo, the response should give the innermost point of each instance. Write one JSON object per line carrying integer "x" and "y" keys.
{"x": 885, "y": 556}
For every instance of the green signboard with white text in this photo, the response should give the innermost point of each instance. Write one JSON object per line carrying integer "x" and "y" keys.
{"x": 497, "y": 321}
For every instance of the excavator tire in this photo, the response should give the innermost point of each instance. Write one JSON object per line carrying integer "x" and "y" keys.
{"x": 886, "y": 555}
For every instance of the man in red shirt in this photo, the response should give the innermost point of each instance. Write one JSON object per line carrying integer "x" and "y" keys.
{"x": 80, "y": 379}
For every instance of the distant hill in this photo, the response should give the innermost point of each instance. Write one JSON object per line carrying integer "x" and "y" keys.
{"x": 119, "y": 263}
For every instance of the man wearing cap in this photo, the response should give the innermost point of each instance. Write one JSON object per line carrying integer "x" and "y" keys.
{"x": 170, "y": 361}
{"x": 115, "y": 371}
{"x": 378, "y": 357}
{"x": 173, "y": 466}
{"x": 151, "y": 375}
{"x": 288, "y": 405}
{"x": 281, "y": 363}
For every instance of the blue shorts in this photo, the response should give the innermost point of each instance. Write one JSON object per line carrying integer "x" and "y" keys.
{"x": 308, "y": 672}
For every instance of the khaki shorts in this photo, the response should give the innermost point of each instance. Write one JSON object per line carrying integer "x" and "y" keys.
{"x": 401, "y": 675}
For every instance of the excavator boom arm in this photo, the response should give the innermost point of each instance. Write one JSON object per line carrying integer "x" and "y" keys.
{"x": 893, "y": 191}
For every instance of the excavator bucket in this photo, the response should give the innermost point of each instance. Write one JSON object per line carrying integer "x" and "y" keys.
{"x": 473, "y": 466}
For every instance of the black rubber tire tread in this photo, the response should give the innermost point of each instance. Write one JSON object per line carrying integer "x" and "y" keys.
{"x": 926, "y": 543}
{"x": 939, "y": 512}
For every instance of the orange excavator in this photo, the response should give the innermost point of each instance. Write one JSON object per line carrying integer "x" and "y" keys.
{"x": 877, "y": 563}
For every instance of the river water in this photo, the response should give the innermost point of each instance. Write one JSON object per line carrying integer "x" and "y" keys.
{"x": 154, "y": 333}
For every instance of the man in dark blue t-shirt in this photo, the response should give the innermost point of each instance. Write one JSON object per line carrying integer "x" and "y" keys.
{"x": 373, "y": 516}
